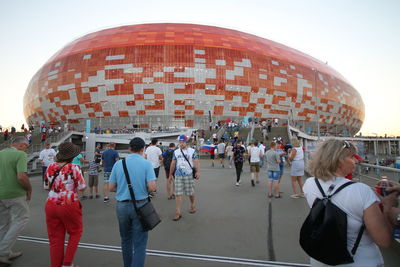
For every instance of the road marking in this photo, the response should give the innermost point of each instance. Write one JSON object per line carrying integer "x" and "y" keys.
{"x": 270, "y": 242}
{"x": 180, "y": 255}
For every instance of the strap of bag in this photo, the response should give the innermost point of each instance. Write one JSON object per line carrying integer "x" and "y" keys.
{"x": 362, "y": 228}
{"x": 336, "y": 191}
{"x": 55, "y": 176}
{"x": 128, "y": 181}
{"x": 360, "y": 233}
{"x": 186, "y": 158}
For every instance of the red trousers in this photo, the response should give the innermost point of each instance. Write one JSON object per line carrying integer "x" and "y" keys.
{"x": 61, "y": 219}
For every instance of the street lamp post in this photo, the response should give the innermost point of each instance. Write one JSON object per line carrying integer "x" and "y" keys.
{"x": 316, "y": 100}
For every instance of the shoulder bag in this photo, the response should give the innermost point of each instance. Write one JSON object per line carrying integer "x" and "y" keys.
{"x": 193, "y": 169}
{"x": 55, "y": 175}
{"x": 147, "y": 214}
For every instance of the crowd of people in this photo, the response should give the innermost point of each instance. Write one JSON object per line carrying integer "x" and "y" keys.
{"x": 63, "y": 178}
{"x": 45, "y": 131}
{"x": 258, "y": 155}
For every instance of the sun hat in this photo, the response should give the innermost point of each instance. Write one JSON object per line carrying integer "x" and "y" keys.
{"x": 183, "y": 138}
{"x": 66, "y": 151}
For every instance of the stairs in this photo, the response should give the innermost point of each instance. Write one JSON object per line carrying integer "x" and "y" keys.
{"x": 257, "y": 134}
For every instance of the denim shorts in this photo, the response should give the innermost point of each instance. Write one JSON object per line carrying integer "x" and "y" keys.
{"x": 280, "y": 169}
{"x": 273, "y": 175}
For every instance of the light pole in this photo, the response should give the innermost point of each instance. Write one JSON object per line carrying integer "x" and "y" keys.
{"x": 316, "y": 100}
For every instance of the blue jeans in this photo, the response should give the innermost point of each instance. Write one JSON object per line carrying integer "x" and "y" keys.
{"x": 133, "y": 238}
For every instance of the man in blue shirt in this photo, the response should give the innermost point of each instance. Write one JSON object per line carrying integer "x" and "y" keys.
{"x": 143, "y": 179}
{"x": 109, "y": 157}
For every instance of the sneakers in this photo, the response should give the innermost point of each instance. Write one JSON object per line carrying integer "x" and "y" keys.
{"x": 90, "y": 197}
{"x": 240, "y": 181}
{"x": 5, "y": 260}
{"x": 106, "y": 199}
{"x": 252, "y": 183}
{"x": 237, "y": 184}
{"x": 295, "y": 196}
{"x": 14, "y": 255}
{"x": 97, "y": 196}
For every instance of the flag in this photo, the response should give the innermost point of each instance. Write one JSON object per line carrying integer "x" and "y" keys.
{"x": 207, "y": 148}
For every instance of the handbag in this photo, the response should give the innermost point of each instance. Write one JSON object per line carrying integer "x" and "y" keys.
{"x": 147, "y": 214}
{"x": 193, "y": 169}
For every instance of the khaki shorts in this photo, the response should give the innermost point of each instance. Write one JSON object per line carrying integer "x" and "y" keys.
{"x": 93, "y": 180}
{"x": 184, "y": 185}
{"x": 254, "y": 166}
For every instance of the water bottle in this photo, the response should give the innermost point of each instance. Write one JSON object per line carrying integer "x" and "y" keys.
{"x": 384, "y": 183}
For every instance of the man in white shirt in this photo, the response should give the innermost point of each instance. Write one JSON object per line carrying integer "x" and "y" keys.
{"x": 221, "y": 152}
{"x": 255, "y": 155}
{"x": 46, "y": 158}
{"x": 184, "y": 162}
{"x": 214, "y": 137}
{"x": 262, "y": 147}
{"x": 154, "y": 155}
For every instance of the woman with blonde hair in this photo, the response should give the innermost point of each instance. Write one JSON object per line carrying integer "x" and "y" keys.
{"x": 330, "y": 163}
{"x": 296, "y": 157}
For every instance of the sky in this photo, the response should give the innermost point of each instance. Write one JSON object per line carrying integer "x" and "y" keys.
{"x": 358, "y": 38}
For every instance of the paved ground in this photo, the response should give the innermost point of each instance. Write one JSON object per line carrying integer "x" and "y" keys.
{"x": 233, "y": 225}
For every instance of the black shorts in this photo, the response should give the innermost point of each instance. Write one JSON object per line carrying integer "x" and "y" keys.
{"x": 221, "y": 156}
{"x": 212, "y": 156}
{"x": 157, "y": 171}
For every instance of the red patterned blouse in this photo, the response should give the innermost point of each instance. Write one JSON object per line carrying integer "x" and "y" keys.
{"x": 66, "y": 185}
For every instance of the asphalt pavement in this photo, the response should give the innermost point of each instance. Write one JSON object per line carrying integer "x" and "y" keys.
{"x": 233, "y": 226}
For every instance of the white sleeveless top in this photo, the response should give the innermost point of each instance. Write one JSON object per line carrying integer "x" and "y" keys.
{"x": 299, "y": 153}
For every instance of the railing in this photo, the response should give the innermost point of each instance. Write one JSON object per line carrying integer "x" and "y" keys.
{"x": 370, "y": 173}
{"x": 221, "y": 131}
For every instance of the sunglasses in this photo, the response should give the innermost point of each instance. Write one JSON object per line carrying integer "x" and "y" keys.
{"x": 346, "y": 144}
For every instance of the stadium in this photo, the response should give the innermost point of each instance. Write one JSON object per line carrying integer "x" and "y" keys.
{"x": 184, "y": 75}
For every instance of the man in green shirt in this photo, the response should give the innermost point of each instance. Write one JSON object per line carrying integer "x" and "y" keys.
{"x": 15, "y": 192}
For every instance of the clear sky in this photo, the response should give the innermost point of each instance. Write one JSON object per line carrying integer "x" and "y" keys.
{"x": 358, "y": 38}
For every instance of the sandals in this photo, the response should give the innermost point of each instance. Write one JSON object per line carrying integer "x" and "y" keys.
{"x": 177, "y": 217}
{"x": 193, "y": 210}
{"x": 278, "y": 196}
{"x": 171, "y": 197}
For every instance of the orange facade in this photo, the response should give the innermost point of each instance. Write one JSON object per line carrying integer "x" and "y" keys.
{"x": 175, "y": 74}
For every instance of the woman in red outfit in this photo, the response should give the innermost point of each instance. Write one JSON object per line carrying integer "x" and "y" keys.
{"x": 63, "y": 209}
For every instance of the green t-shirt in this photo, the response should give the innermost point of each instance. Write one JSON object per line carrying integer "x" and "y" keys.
{"x": 12, "y": 162}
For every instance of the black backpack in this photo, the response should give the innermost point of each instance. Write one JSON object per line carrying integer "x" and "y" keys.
{"x": 323, "y": 235}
